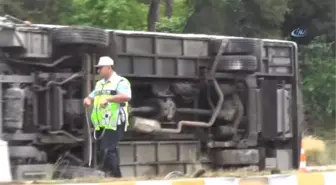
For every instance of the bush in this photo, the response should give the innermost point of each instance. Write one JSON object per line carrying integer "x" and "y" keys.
{"x": 315, "y": 150}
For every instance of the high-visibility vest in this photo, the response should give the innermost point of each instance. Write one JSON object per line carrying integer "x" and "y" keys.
{"x": 112, "y": 114}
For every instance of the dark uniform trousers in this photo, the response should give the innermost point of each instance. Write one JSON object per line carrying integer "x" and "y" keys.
{"x": 108, "y": 151}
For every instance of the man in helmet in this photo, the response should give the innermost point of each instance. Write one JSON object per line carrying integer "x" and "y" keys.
{"x": 109, "y": 115}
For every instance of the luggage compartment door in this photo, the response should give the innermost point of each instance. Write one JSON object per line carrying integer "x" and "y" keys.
{"x": 276, "y": 109}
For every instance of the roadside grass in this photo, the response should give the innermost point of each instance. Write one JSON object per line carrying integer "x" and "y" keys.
{"x": 320, "y": 149}
{"x": 315, "y": 150}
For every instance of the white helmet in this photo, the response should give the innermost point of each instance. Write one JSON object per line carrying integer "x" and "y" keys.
{"x": 105, "y": 61}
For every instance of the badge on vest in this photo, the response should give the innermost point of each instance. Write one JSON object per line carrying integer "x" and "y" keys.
{"x": 107, "y": 116}
{"x": 105, "y": 92}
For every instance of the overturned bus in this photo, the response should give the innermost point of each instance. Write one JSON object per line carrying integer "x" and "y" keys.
{"x": 197, "y": 100}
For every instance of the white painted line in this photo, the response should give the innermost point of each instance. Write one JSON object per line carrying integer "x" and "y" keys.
{"x": 221, "y": 181}
{"x": 329, "y": 178}
{"x": 153, "y": 183}
{"x": 282, "y": 180}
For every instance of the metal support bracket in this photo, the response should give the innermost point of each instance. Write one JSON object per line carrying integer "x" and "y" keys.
{"x": 252, "y": 140}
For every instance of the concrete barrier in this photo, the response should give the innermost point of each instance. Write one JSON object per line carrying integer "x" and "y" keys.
{"x": 314, "y": 178}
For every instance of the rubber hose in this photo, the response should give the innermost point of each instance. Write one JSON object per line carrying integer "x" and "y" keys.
{"x": 89, "y": 135}
{"x": 101, "y": 135}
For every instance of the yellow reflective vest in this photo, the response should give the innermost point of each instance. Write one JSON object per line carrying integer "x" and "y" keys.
{"x": 114, "y": 113}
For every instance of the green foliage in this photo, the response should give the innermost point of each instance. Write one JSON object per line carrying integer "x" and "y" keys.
{"x": 254, "y": 18}
{"x": 113, "y": 14}
{"x": 319, "y": 79}
{"x": 37, "y": 11}
{"x": 316, "y": 16}
{"x": 176, "y": 23}
{"x": 172, "y": 25}
{"x": 264, "y": 18}
{"x": 13, "y": 7}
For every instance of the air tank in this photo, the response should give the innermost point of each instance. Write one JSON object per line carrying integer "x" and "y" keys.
{"x": 14, "y": 100}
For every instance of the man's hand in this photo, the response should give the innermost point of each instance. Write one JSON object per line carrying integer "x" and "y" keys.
{"x": 87, "y": 102}
{"x": 104, "y": 103}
